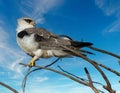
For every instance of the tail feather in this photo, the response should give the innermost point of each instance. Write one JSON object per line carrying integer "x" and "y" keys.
{"x": 80, "y": 44}
{"x": 75, "y": 43}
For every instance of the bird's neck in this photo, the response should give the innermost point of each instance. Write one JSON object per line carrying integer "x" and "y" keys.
{"x": 22, "y": 27}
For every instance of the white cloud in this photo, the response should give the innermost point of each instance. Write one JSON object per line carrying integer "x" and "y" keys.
{"x": 110, "y": 8}
{"x": 37, "y": 8}
{"x": 71, "y": 88}
{"x": 39, "y": 79}
{"x": 115, "y": 26}
{"x": 9, "y": 57}
{"x": 3, "y": 35}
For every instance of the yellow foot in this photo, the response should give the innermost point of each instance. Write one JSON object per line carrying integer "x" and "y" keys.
{"x": 32, "y": 62}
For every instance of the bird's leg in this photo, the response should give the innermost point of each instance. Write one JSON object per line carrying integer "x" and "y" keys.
{"x": 32, "y": 62}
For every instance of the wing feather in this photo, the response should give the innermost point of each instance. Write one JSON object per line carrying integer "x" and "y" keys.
{"x": 46, "y": 39}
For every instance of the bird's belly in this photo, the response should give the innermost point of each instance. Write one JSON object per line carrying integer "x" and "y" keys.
{"x": 51, "y": 53}
{"x": 27, "y": 44}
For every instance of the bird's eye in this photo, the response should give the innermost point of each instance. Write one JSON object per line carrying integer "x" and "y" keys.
{"x": 28, "y": 20}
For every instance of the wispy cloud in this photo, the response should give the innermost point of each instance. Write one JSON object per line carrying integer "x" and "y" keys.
{"x": 115, "y": 26}
{"x": 3, "y": 35}
{"x": 39, "y": 79}
{"x": 9, "y": 57}
{"x": 37, "y": 8}
{"x": 65, "y": 88}
{"x": 110, "y": 8}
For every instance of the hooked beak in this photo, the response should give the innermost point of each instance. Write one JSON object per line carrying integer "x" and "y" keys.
{"x": 32, "y": 23}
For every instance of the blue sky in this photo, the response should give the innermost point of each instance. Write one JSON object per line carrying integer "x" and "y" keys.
{"x": 96, "y": 21}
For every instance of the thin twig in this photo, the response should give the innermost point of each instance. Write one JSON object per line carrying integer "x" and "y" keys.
{"x": 104, "y": 51}
{"x": 82, "y": 79}
{"x": 85, "y": 80}
{"x": 84, "y": 51}
{"x": 88, "y": 75}
{"x": 29, "y": 71}
{"x": 59, "y": 72}
{"x": 105, "y": 67}
{"x": 109, "y": 69}
{"x": 10, "y": 88}
{"x": 90, "y": 81}
{"x": 25, "y": 79}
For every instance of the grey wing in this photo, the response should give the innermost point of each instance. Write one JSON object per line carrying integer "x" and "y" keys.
{"x": 48, "y": 40}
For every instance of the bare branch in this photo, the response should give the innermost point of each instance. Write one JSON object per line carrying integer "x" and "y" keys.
{"x": 10, "y": 88}
{"x": 66, "y": 75}
{"x": 105, "y": 67}
{"x": 108, "y": 87}
{"x": 29, "y": 71}
{"x": 90, "y": 81}
{"x": 56, "y": 71}
{"x": 84, "y": 51}
{"x": 82, "y": 79}
{"x": 88, "y": 75}
{"x": 104, "y": 51}
{"x": 25, "y": 79}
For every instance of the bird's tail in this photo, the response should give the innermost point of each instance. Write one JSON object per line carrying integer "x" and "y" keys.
{"x": 80, "y": 44}
{"x": 75, "y": 43}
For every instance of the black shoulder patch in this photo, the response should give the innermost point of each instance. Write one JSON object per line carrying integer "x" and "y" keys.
{"x": 22, "y": 34}
{"x": 38, "y": 38}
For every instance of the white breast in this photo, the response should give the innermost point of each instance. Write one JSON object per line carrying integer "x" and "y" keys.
{"x": 28, "y": 44}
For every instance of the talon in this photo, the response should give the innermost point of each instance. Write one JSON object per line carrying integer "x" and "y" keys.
{"x": 32, "y": 62}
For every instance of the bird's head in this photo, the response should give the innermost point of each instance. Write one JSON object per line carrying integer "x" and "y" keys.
{"x": 24, "y": 23}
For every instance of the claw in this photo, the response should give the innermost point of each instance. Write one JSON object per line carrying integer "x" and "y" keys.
{"x": 32, "y": 62}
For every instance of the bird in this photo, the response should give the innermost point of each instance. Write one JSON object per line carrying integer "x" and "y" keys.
{"x": 38, "y": 42}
